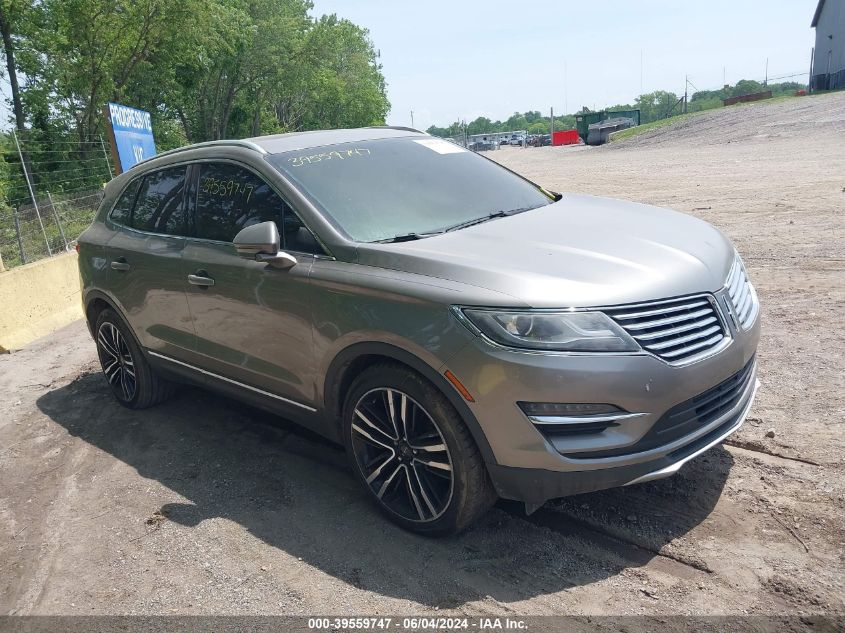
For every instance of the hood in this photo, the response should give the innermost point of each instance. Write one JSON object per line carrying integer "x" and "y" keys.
{"x": 578, "y": 252}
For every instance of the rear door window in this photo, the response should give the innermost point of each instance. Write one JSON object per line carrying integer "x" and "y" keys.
{"x": 160, "y": 207}
{"x": 230, "y": 198}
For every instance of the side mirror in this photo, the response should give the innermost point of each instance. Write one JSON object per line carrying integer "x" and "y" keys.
{"x": 261, "y": 242}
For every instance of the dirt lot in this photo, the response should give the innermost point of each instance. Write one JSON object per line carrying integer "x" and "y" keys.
{"x": 204, "y": 506}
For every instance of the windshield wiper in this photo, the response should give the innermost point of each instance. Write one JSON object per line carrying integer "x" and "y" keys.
{"x": 485, "y": 218}
{"x": 409, "y": 237}
{"x": 474, "y": 221}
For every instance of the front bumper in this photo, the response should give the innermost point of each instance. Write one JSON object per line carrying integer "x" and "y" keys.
{"x": 529, "y": 466}
{"x": 535, "y": 486}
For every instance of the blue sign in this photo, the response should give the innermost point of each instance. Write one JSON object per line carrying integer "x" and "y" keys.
{"x": 133, "y": 134}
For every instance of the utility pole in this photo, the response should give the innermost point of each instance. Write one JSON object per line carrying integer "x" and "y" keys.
{"x": 641, "y": 71}
{"x": 552, "y": 125}
{"x": 724, "y": 76}
{"x": 766, "y": 80}
{"x": 686, "y": 88}
{"x": 412, "y": 118}
{"x": 565, "y": 89}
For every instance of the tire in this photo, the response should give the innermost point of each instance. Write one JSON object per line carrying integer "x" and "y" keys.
{"x": 420, "y": 465}
{"x": 130, "y": 377}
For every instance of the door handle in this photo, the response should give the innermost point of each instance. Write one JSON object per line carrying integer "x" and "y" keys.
{"x": 120, "y": 264}
{"x": 200, "y": 279}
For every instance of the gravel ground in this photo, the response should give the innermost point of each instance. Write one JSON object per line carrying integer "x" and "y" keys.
{"x": 204, "y": 506}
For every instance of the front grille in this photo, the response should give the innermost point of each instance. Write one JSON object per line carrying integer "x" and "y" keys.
{"x": 685, "y": 418}
{"x": 678, "y": 330}
{"x": 742, "y": 294}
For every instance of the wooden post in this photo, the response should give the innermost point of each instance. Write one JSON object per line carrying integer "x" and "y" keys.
{"x": 106, "y": 156}
{"x": 2, "y": 267}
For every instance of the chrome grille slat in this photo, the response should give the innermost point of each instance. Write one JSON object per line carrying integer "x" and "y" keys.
{"x": 745, "y": 307}
{"x": 686, "y": 350}
{"x": 650, "y": 336}
{"x": 663, "y": 310}
{"x": 667, "y": 321}
{"x": 676, "y": 330}
{"x": 685, "y": 339}
{"x": 742, "y": 295}
{"x": 734, "y": 281}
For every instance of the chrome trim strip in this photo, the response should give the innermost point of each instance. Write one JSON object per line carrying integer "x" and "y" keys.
{"x": 576, "y": 420}
{"x": 671, "y": 469}
{"x": 234, "y": 382}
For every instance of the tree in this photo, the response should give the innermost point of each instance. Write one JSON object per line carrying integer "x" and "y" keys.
{"x": 746, "y": 87}
{"x": 655, "y": 105}
{"x": 340, "y": 83}
{"x": 481, "y": 125}
{"x": 86, "y": 52}
{"x": 11, "y": 11}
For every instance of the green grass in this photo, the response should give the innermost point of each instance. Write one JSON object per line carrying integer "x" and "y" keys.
{"x": 647, "y": 127}
{"x": 631, "y": 132}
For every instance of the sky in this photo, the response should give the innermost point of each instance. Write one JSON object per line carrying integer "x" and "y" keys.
{"x": 450, "y": 60}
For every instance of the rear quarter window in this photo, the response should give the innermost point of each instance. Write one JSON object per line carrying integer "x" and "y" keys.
{"x": 122, "y": 210}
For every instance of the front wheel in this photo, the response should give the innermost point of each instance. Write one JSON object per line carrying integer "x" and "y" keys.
{"x": 133, "y": 382}
{"x": 413, "y": 453}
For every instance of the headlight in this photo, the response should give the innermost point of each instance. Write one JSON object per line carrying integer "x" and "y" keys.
{"x": 557, "y": 331}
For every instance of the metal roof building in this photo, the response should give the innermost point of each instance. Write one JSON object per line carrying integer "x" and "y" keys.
{"x": 828, "y": 70}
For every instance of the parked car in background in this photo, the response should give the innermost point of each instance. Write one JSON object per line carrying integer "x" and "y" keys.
{"x": 482, "y": 146}
{"x": 465, "y": 333}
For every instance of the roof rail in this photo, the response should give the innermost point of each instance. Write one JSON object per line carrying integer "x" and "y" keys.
{"x": 222, "y": 142}
{"x": 395, "y": 127}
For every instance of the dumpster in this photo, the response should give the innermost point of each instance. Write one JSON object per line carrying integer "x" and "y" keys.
{"x": 566, "y": 137}
{"x": 585, "y": 120}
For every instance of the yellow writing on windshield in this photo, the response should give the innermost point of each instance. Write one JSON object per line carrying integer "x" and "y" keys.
{"x": 311, "y": 159}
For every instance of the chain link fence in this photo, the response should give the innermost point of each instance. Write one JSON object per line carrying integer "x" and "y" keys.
{"x": 51, "y": 194}
{"x": 49, "y": 227}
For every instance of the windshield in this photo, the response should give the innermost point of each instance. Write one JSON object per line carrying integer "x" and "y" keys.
{"x": 388, "y": 188}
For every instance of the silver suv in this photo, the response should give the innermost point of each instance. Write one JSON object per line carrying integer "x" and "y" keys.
{"x": 465, "y": 333}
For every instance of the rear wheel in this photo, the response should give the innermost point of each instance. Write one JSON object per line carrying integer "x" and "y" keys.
{"x": 413, "y": 453}
{"x": 133, "y": 382}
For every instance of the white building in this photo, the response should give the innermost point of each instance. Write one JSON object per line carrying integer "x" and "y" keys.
{"x": 828, "y": 70}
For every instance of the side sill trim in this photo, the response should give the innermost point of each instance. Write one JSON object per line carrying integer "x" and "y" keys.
{"x": 671, "y": 469}
{"x": 234, "y": 382}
